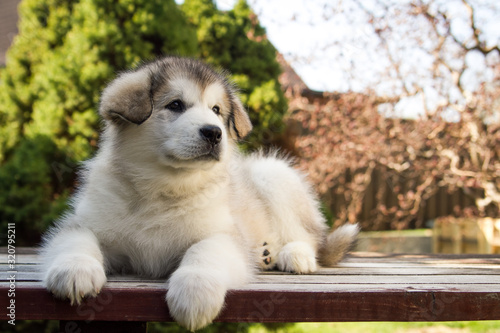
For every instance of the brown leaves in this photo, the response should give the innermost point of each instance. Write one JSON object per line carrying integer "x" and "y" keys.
{"x": 365, "y": 165}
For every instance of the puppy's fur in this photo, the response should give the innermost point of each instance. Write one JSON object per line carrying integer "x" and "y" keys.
{"x": 168, "y": 195}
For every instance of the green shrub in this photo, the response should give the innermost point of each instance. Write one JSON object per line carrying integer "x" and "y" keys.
{"x": 34, "y": 185}
{"x": 66, "y": 52}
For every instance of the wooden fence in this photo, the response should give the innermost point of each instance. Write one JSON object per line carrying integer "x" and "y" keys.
{"x": 444, "y": 202}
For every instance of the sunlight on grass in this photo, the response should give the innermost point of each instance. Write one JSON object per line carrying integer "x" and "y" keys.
{"x": 386, "y": 327}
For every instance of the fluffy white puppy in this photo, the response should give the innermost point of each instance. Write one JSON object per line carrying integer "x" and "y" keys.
{"x": 168, "y": 195}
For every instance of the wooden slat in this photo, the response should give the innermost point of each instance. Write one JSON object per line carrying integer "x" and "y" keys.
{"x": 365, "y": 287}
{"x": 35, "y": 275}
{"x": 412, "y": 303}
{"x": 307, "y": 287}
{"x": 29, "y": 256}
{"x": 324, "y": 279}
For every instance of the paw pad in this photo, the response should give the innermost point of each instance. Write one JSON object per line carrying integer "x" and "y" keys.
{"x": 266, "y": 256}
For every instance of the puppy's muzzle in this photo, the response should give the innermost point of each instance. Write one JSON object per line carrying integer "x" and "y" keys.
{"x": 212, "y": 134}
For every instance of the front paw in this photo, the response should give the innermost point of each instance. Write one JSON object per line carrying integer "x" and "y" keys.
{"x": 195, "y": 297}
{"x": 297, "y": 257}
{"x": 266, "y": 255}
{"x": 75, "y": 277}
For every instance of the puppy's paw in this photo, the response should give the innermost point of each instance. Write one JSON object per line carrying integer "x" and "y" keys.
{"x": 75, "y": 277}
{"x": 194, "y": 297}
{"x": 297, "y": 257}
{"x": 266, "y": 259}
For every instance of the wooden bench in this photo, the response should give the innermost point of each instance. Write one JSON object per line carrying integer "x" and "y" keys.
{"x": 364, "y": 287}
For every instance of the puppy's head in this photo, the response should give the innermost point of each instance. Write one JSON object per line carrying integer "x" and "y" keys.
{"x": 180, "y": 108}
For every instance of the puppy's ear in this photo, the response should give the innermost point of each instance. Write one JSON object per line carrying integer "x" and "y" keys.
{"x": 239, "y": 122}
{"x": 128, "y": 98}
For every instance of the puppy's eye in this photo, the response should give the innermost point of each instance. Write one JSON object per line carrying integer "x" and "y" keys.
{"x": 176, "y": 106}
{"x": 216, "y": 109}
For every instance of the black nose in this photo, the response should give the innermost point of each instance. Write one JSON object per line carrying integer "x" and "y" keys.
{"x": 211, "y": 133}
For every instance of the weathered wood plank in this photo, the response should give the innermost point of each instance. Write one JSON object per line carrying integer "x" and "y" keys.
{"x": 336, "y": 276}
{"x": 493, "y": 287}
{"x": 366, "y": 287}
{"x": 402, "y": 304}
{"x": 29, "y": 255}
{"x": 347, "y": 268}
{"x": 422, "y": 258}
{"x": 363, "y": 263}
{"x": 472, "y": 278}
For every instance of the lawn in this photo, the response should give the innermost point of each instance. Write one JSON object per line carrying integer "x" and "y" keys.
{"x": 385, "y": 327}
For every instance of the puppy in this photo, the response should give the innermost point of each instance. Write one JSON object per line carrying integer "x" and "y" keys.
{"x": 169, "y": 195}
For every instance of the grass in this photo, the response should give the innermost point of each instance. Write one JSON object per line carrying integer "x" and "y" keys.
{"x": 387, "y": 327}
{"x": 397, "y": 233}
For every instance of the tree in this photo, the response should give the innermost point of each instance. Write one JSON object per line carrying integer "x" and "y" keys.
{"x": 360, "y": 160}
{"x": 354, "y": 143}
{"x": 432, "y": 53}
{"x": 63, "y": 56}
{"x": 66, "y": 52}
{"x": 234, "y": 40}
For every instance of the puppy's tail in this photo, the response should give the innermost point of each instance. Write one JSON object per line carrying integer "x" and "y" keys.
{"x": 337, "y": 244}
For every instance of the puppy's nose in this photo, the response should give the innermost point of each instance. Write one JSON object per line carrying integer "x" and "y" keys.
{"x": 211, "y": 133}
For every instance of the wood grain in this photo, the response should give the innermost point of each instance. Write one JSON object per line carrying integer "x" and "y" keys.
{"x": 365, "y": 287}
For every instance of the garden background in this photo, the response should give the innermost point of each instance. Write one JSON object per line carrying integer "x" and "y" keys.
{"x": 393, "y": 108}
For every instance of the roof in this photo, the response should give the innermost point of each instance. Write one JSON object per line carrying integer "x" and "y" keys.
{"x": 8, "y": 25}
